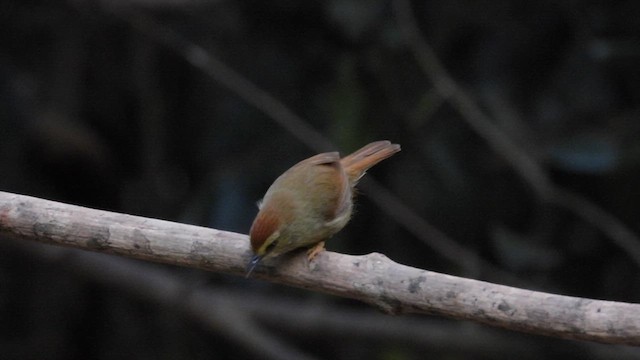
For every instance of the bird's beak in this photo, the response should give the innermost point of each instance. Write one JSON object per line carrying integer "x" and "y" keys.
{"x": 255, "y": 260}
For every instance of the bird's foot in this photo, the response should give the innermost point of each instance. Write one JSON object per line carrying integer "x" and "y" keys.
{"x": 315, "y": 250}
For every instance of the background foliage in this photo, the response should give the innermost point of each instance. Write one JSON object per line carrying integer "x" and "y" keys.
{"x": 101, "y": 107}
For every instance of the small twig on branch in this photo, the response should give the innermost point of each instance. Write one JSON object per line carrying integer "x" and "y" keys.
{"x": 372, "y": 278}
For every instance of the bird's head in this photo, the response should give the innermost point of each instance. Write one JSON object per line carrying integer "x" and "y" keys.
{"x": 264, "y": 235}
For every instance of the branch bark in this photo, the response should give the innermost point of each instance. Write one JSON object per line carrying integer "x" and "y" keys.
{"x": 372, "y": 278}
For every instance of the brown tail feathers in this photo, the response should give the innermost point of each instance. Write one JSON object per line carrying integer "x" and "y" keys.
{"x": 360, "y": 161}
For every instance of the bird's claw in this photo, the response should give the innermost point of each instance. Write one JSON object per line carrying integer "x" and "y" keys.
{"x": 315, "y": 250}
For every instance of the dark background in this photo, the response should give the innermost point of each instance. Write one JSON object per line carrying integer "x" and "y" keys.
{"x": 101, "y": 106}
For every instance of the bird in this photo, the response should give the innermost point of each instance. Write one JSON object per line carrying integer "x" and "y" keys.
{"x": 310, "y": 202}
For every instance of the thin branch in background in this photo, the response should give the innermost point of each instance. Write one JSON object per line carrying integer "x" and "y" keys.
{"x": 244, "y": 330}
{"x": 523, "y": 163}
{"x": 426, "y": 58}
{"x": 206, "y": 62}
{"x": 224, "y": 75}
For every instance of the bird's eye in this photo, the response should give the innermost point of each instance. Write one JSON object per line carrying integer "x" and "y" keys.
{"x": 271, "y": 246}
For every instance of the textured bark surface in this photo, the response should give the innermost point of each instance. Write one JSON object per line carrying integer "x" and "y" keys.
{"x": 372, "y": 278}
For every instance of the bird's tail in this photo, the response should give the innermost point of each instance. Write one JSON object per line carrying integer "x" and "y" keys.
{"x": 356, "y": 164}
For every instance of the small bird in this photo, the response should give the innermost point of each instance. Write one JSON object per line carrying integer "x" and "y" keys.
{"x": 311, "y": 201}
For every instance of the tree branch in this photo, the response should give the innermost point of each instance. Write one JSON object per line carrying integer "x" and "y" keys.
{"x": 372, "y": 278}
{"x": 294, "y": 317}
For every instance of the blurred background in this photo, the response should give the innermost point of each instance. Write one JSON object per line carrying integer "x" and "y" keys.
{"x": 519, "y": 124}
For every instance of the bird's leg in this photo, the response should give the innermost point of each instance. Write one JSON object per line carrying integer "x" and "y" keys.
{"x": 315, "y": 250}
